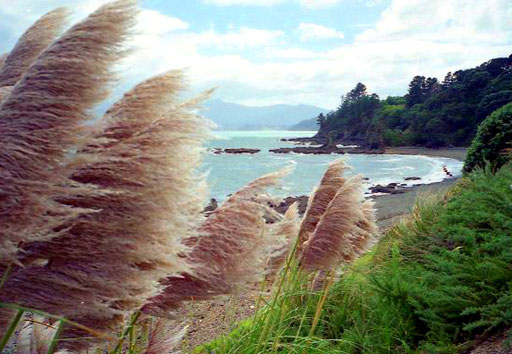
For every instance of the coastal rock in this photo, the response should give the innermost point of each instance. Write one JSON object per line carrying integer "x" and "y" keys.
{"x": 309, "y": 150}
{"x": 327, "y": 149}
{"x": 235, "y": 151}
{"x": 305, "y": 141}
{"x": 287, "y": 202}
{"x": 412, "y": 178}
{"x": 391, "y": 188}
{"x": 211, "y": 206}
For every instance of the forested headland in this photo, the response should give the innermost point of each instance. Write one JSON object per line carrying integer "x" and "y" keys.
{"x": 432, "y": 113}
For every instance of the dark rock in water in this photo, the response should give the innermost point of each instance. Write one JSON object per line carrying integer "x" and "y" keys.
{"x": 235, "y": 151}
{"x": 287, "y": 202}
{"x": 327, "y": 149}
{"x": 309, "y": 150}
{"x": 390, "y": 189}
{"x": 366, "y": 179}
{"x": 318, "y": 141}
{"x": 412, "y": 178}
{"x": 211, "y": 207}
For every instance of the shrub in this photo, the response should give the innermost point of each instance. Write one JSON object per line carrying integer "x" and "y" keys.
{"x": 493, "y": 137}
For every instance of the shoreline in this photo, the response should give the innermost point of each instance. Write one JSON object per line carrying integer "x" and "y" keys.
{"x": 390, "y": 208}
{"x": 209, "y": 319}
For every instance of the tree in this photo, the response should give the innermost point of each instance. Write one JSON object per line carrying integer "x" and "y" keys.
{"x": 494, "y": 136}
{"x": 416, "y": 91}
{"x": 320, "y": 120}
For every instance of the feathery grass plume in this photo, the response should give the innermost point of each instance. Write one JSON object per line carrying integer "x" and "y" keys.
{"x": 229, "y": 252}
{"x": 284, "y": 233}
{"x": 109, "y": 262}
{"x": 2, "y": 59}
{"x": 331, "y": 182}
{"x": 40, "y": 121}
{"x": 255, "y": 191}
{"x": 332, "y": 240}
{"x": 4, "y": 92}
{"x": 365, "y": 236}
{"x": 30, "y": 45}
{"x": 258, "y": 187}
{"x": 165, "y": 337}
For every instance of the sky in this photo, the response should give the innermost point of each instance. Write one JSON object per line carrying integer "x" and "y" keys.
{"x": 263, "y": 52}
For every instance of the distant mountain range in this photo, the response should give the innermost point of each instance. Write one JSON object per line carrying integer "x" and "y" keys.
{"x": 232, "y": 116}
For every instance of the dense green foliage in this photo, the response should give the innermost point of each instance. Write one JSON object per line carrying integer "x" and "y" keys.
{"x": 432, "y": 113}
{"x": 433, "y": 284}
{"x": 494, "y": 136}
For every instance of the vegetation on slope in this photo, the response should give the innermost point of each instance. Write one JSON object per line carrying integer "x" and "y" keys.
{"x": 431, "y": 114}
{"x": 494, "y": 137}
{"x": 433, "y": 284}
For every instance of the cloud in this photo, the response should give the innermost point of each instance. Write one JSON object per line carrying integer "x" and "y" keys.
{"x": 318, "y": 4}
{"x": 311, "y": 31}
{"x": 309, "y": 4}
{"x": 258, "y": 66}
{"x": 153, "y": 22}
{"x": 244, "y": 2}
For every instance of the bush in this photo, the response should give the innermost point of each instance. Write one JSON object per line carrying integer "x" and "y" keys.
{"x": 493, "y": 137}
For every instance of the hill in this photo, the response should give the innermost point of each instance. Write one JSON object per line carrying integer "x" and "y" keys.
{"x": 432, "y": 113}
{"x": 235, "y": 116}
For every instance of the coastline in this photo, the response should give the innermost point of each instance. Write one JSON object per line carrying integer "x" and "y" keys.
{"x": 209, "y": 319}
{"x": 392, "y": 207}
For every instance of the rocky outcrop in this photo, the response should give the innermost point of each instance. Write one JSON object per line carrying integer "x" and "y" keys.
{"x": 235, "y": 151}
{"x": 392, "y": 188}
{"x": 327, "y": 149}
{"x": 412, "y": 178}
{"x": 309, "y": 150}
{"x": 287, "y": 202}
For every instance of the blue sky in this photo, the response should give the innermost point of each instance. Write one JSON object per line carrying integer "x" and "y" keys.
{"x": 260, "y": 52}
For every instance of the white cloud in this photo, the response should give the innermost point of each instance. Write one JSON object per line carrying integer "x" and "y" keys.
{"x": 244, "y": 2}
{"x": 318, "y": 4}
{"x": 312, "y": 31}
{"x": 153, "y": 22}
{"x": 258, "y": 66}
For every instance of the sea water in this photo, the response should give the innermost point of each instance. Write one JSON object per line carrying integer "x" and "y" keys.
{"x": 229, "y": 172}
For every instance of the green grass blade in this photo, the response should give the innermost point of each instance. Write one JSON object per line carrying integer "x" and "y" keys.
{"x": 55, "y": 339}
{"x": 11, "y": 329}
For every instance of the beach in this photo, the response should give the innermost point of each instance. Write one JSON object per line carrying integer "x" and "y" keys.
{"x": 392, "y": 207}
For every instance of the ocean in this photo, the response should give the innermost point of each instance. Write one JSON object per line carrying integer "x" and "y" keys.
{"x": 229, "y": 172}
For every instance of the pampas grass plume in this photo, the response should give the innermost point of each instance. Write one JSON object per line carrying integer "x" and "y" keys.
{"x": 40, "y": 121}
{"x": 229, "y": 253}
{"x": 331, "y": 182}
{"x": 30, "y": 45}
{"x": 332, "y": 241}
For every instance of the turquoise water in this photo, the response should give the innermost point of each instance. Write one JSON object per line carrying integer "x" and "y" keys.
{"x": 227, "y": 173}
